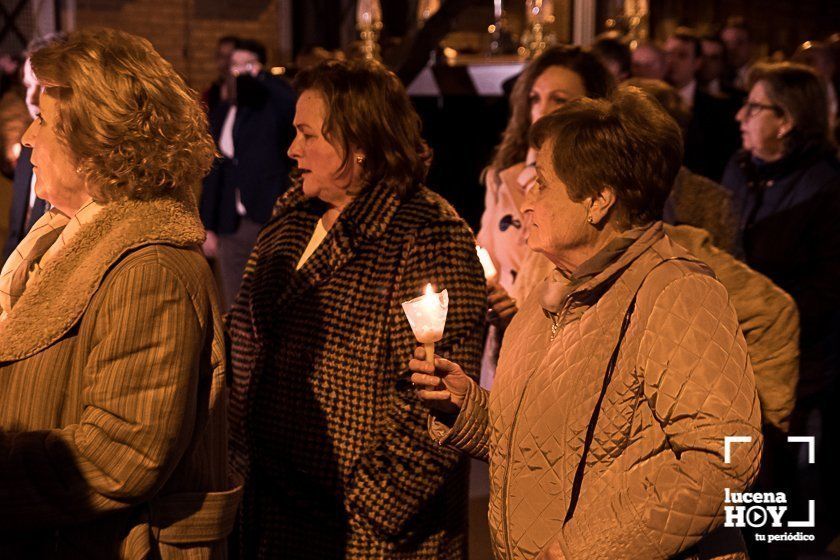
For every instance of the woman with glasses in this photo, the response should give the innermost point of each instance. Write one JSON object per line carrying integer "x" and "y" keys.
{"x": 786, "y": 189}
{"x": 559, "y": 75}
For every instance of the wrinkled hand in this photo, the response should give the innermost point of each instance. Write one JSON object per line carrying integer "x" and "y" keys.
{"x": 443, "y": 387}
{"x": 502, "y": 307}
{"x": 211, "y": 245}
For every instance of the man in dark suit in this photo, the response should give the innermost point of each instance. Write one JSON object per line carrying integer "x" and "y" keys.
{"x": 253, "y": 131}
{"x": 712, "y": 136}
{"x": 26, "y": 207}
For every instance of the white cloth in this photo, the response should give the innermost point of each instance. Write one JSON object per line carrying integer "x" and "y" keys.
{"x": 317, "y": 237}
{"x": 687, "y": 93}
{"x": 32, "y": 196}
{"x": 226, "y": 138}
{"x": 228, "y": 149}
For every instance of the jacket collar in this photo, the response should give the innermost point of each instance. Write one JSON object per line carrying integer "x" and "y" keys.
{"x": 761, "y": 173}
{"x": 598, "y": 273}
{"x": 56, "y": 300}
{"x": 361, "y": 223}
{"x": 364, "y": 219}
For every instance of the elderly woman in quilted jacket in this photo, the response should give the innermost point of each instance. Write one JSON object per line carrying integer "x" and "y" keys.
{"x": 622, "y": 373}
{"x": 325, "y": 425}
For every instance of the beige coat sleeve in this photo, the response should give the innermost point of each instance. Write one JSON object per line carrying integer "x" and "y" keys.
{"x": 698, "y": 385}
{"x": 470, "y": 432}
{"x": 139, "y": 397}
{"x": 770, "y": 321}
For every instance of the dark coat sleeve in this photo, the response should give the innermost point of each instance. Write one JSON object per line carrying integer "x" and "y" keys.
{"x": 211, "y": 193}
{"x": 140, "y": 396}
{"x": 404, "y": 468}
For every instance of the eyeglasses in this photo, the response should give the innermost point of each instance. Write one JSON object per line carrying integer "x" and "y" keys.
{"x": 752, "y": 108}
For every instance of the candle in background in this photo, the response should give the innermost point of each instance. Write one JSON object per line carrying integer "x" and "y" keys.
{"x": 427, "y": 317}
{"x": 486, "y": 263}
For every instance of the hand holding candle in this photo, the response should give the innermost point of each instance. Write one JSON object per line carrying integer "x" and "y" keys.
{"x": 427, "y": 317}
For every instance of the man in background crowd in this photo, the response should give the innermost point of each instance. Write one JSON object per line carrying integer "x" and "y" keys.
{"x": 649, "y": 61}
{"x": 739, "y": 52}
{"x": 614, "y": 52}
{"x": 218, "y": 91}
{"x": 253, "y": 130}
{"x": 712, "y": 135}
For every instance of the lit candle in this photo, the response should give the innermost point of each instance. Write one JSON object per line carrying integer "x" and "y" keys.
{"x": 427, "y": 317}
{"x": 368, "y": 12}
{"x": 486, "y": 263}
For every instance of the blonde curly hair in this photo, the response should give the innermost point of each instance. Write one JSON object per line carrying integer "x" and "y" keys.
{"x": 134, "y": 127}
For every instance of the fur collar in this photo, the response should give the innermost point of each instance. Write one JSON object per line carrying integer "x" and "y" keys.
{"x": 55, "y": 301}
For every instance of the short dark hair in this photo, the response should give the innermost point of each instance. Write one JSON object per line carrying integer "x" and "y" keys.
{"x": 612, "y": 47}
{"x": 368, "y": 109}
{"x": 667, "y": 96}
{"x": 232, "y": 39}
{"x": 797, "y": 89}
{"x": 627, "y": 143}
{"x": 688, "y": 35}
{"x": 254, "y": 46}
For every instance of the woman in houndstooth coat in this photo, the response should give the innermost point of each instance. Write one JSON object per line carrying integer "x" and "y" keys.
{"x": 325, "y": 426}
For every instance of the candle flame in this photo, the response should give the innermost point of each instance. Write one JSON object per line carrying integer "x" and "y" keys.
{"x": 429, "y": 291}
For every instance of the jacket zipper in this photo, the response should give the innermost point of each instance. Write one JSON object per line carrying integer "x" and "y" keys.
{"x": 506, "y": 483}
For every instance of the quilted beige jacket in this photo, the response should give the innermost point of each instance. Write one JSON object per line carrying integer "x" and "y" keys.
{"x": 767, "y": 315}
{"x": 653, "y": 479}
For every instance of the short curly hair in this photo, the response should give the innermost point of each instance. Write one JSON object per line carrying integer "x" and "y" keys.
{"x": 135, "y": 129}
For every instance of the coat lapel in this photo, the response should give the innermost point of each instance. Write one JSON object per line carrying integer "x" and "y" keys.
{"x": 288, "y": 233}
{"x": 54, "y": 302}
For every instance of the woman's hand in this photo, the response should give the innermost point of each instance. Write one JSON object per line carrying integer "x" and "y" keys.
{"x": 210, "y": 245}
{"x": 502, "y": 307}
{"x": 443, "y": 387}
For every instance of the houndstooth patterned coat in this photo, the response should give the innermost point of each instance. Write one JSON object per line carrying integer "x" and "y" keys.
{"x": 325, "y": 424}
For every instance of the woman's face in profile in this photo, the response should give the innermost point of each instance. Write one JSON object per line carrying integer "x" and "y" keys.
{"x": 763, "y": 124}
{"x": 56, "y": 179}
{"x": 556, "y": 86}
{"x": 556, "y": 223}
{"x": 318, "y": 159}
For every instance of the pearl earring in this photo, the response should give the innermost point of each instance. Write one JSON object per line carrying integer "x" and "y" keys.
{"x": 360, "y": 159}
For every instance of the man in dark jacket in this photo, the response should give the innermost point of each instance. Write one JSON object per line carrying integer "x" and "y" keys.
{"x": 253, "y": 132}
{"x": 712, "y": 135}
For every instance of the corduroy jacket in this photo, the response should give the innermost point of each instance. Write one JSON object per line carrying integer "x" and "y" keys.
{"x": 326, "y": 427}
{"x": 113, "y": 437}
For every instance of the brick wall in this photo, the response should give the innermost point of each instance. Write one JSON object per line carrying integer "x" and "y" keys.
{"x": 185, "y": 31}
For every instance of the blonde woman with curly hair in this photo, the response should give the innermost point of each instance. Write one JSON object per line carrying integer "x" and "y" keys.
{"x": 112, "y": 416}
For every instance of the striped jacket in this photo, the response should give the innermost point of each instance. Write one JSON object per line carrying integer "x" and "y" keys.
{"x": 325, "y": 424}
{"x": 112, "y": 411}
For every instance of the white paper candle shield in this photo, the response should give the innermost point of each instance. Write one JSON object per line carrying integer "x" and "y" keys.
{"x": 427, "y": 315}
{"x": 486, "y": 263}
